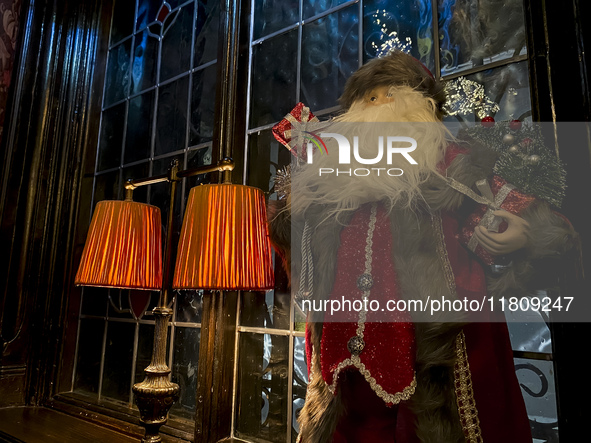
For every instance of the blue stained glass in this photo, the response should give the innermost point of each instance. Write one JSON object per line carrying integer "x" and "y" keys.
{"x": 314, "y": 7}
{"x": 330, "y": 54}
{"x": 176, "y": 44}
{"x": 118, "y": 77}
{"x": 407, "y": 26}
{"x": 145, "y": 54}
{"x": 273, "y": 15}
{"x": 146, "y": 12}
{"x": 274, "y": 78}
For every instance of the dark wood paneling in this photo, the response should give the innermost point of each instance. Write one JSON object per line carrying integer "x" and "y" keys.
{"x": 53, "y": 119}
{"x": 557, "y": 37}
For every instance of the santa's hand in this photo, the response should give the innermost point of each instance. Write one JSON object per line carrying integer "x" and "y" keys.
{"x": 502, "y": 243}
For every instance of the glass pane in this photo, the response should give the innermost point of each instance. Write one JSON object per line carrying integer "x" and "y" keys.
{"x": 106, "y": 187}
{"x": 144, "y": 351}
{"x": 273, "y": 15}
{"x": 507, "y": 86}
{"x": 117, "y": 82}
{"x": 474, "y": 34}
{"x": 262, "y": 387}
{"x": 189, "y": 305}
{"x": 300, "y": 381}
{"x": 265, "y": 309}
{"x": 274, "y": 79}
{"x": 195, "y": 158}
{"x": 330, "y": 54}
{"x": 119, "y": 304}
{"x": 314, "y": 7}
{"x": 404, "y": 25}
{"x": 94, "y": 301}
{"x": 90, "y": 346}
{"x": 160, "y": 194}
{"x": 118, "y": 358}
{"x": 184, "y": 369}
{"x": 202, "y": 105}
{"x": 122, "y": 24}
{"x": 528, "y": 332}
{"x": 146, "y": 12}
{"x": 145, "y": 55}
{"x": 111, "y": 139}
{"x": 206, "y": 31}
{"x": 171, "y": 126}
{"x": 536, "y": 378}
{"x": 176, "y": 45}
{"x": 138, "y": 138}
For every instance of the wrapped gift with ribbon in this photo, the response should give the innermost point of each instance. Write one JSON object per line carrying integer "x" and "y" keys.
{"x": 499, "y": 194}
{"x": 291, "y": 131}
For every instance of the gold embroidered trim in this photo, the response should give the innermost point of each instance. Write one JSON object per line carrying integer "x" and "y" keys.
{"x": 437, "y": 224}
{"x": 375, "y": 386}
{"x": 368, "y": 268}
{"x": 465, "y": 393}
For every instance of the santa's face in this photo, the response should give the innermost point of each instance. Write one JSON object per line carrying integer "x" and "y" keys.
{"x": 379, "y": 96}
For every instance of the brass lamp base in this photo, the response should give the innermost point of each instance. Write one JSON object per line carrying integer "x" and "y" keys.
{"x": 156, "y": 394}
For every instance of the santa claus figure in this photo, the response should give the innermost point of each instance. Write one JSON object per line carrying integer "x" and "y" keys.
{"x": 381, "y": 239}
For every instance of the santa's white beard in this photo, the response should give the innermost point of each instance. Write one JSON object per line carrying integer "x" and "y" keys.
{"x": 410, "y": 115}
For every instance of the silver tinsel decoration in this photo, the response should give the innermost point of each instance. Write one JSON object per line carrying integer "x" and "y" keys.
{"x": 467, "y": 97}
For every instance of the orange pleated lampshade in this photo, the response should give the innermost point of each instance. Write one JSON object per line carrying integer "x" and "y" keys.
{"x": 224, "y": 243}
{"x": 123, "y": 248}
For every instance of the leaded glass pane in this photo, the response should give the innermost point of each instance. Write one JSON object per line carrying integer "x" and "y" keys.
{"x": 300, "y": 381}
{"x": 330, "y": 54}
{"x": 171, "y": 123}
{"x": 90, "y": 346}
{"x": 176, "y": 45}
{"x": 536, "y": 378}
{"x": 118, "y": 358}
{"x": 146, "y": 12}
{"x": 111, "y": 138}
{"x": 145, "y": 58}
{"x": 477, "y": 33}
{"x": 119, "y": 306}
{"x": 401, "y": 25}
{"x": 262, "y": 387}
{"x": 138, "y": 137}
{"x": 274, "y": 79}
{"x": 184, "y": 369}
{"x": 106, "y": 187}
{"x": 195, "y": 158}
{"x": 206, "y": 31}
{"x": 94, "y": 301}
{"x": 118, "y": 75}
{"x": 273, "y": 15}
{"x": 122, "y": 22}
{"x": 202, "y": 105}
{"x": 144, "y": 351}
{"x": 189, "y": 306}
{"x": 265, "y": 309}
{"x": 528, "y": 331}
{"x": 314, "y": 7}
